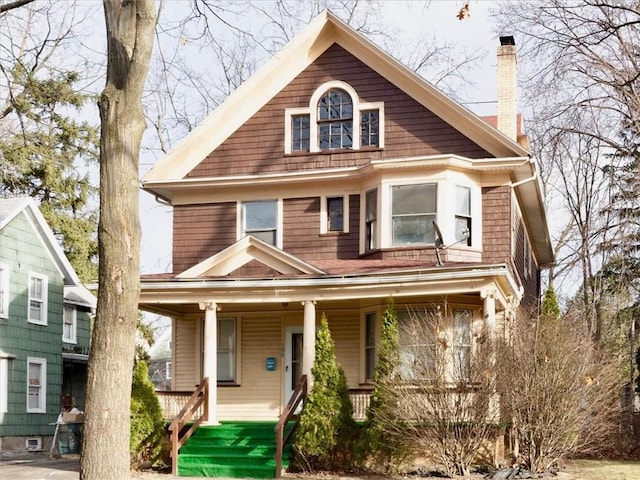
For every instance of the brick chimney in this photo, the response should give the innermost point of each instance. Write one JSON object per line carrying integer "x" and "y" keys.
{"x": 507, "y": 108}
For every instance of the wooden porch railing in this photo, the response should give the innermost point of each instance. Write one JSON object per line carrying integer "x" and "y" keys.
{"x": 195, "y": 408}
{"x": 289, "y": 413}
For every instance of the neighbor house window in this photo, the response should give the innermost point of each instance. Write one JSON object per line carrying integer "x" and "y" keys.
{"x": 260, "y": 219}
{"x": 463, "y": 215}
{"x": 167, "y": 370}
{"x": 300, "y": 133}
{"x": 335, "y": 120}
{"x": 36, "y": 385}
{"x": 418, "y": 344}
{"x": 413, "y": 211}
{"x": 370, "y": 326}
{"x": 370, "y": 128}
{"x": 37, "y": 299}
{"x": 69, "y": 324}
{"x": 4, "y": 290}
{"x": 371, "y": 219}
{"x": 226, "y": 349}
{"x": 462, "y": 344}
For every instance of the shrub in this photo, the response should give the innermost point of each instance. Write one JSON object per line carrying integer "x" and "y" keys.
{"x": 147, "y": 421}
{"x": 326, "y": 430}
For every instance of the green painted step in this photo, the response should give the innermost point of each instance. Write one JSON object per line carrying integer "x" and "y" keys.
{"x": 232, "y": 449}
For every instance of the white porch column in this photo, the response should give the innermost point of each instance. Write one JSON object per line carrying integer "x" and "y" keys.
{"x": 309, "y": 340}
{"x": 210, "y": 360}
{"x": 489, "y": 296}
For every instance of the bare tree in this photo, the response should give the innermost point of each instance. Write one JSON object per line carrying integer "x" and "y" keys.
{"x": 130, "y": 34}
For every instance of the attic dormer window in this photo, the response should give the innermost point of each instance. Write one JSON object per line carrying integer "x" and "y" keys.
{"x": 336, "y": 119}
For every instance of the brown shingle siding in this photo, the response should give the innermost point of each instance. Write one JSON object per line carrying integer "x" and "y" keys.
{"x": 410, "y": 129}
{"x": 496, "y": 224}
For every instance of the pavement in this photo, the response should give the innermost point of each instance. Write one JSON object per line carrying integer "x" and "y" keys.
{"x": 38, "y": 466}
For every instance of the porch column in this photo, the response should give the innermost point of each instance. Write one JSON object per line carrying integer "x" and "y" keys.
{"x": 210, "y": 360}
{"x": 309, "y": 340}
{"x": 489, "y": 296}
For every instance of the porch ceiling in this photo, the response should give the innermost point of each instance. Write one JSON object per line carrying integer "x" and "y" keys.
{"x": 179, "y": 297}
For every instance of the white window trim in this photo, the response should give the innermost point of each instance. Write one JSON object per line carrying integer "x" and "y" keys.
{"x": 4, "y": 384}
{"x": 5, "y": 288}
{"x": 363, "y": 344}
{"x": 279, "y": 222}
{"x": 38, "y": 444}
{"x": 445, "y": 214}
{"x": 324, "y": 215}
{"x": 42, "y": 408}
{"x": 74, "y": 325}
{"x": 44, "y": 299}
{"x": 167, "y": 369}
{"x": 312, "y": 111}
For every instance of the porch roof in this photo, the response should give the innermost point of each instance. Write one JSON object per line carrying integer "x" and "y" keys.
{"x": 168, "y": 294}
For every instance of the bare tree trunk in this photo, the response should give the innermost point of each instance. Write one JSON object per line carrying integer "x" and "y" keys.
{"x": 130, "y": 28}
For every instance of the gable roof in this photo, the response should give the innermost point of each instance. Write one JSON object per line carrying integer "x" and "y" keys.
{"x": 244, "y": 251}
{"x": 74, "y": 291}
{"x": 322, "y": 32}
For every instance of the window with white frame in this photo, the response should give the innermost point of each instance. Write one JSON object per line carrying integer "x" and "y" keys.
{"x": 69, "y": 322}
{"x": 413, "y": 211}
{"x": 418, "y": 344}
{"x": 4, "y": 384}
{"x": 334, "y": 214}
{"x": 227, "y": 350}
{"x": 335, "y": 119}
{"x": 260, "y": 219}
{"x": 463, "y": 215}
{"x": 36, "y": 385}
{"x": 167, "y": 370}
{"x": 371, "y": 219}
{"x": 527, "y": 257}
{"x": 370, "y": 357}
{"x": 4, "y": 290}
{"x": 462, "y": 321}
{"x": 38, "y": 307}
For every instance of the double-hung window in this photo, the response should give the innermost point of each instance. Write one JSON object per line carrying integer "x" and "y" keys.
{"x": 335, "y": 120}
{"x": 370, "y": 326}
{"x": 413, "y": 211}
{"x": 226, "y": 350}
{"x": 335, "y": 214}
{"x": 260, "y": 219}
{"x": 462, "y": 320}
{"x": 370, "y": 128}
{"x": 463, "y": 215}
{"x": 300, "y": 133}
{"x": 37, "y": 299}
{"x": 4, "y": 290}
{"x": 371, "y": 219}
{"x": 36, "y": 385}
{"x": 69, "y": 320}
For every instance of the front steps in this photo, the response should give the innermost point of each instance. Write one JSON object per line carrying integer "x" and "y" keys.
{"x": 232, "y": 449}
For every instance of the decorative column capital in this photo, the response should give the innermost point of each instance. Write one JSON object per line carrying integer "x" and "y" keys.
{"x": 312, "y": 302}
{"x": 209, "y": 305}
{"x": 488, "y": 293}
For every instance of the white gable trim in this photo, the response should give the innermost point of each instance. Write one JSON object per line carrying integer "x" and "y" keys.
{"x": 242, "y": 252}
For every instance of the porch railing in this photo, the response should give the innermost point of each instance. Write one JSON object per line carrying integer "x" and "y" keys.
{"x": 289, "y": 413}
{"x": 188, "y": 419}
{"x": 172, "y": 402}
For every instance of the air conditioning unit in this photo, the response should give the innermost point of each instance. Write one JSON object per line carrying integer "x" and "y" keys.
{"x": 33, "y": 444}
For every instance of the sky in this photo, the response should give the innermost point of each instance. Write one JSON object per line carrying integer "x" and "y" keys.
{"x": 411, "y": 18}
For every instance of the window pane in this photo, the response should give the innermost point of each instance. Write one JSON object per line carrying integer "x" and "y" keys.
{"x": 259, "y": 215}
{"x": 413, "y": 229}
{"x": 226, "y": 333}
{"x": 463, "y": 201}
{"x": 417, "y": 344}
{"x": 463, "y": 230}
{"x": 36, "y": 288}
{"x": 300, "y": 133}
{"x": 369, "y": 127}
{"x": 411, "y": 199}
{"x": 226, "y": 367}
{"x": 35, "y": 310}
{"x": 335, "y": 214}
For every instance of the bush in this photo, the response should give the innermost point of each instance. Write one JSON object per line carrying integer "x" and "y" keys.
{"x": 147, "y": 420}
{"x": 325, "y": 434}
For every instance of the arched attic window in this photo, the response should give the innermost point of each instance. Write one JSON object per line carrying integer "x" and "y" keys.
{"x": 334, "y": 120}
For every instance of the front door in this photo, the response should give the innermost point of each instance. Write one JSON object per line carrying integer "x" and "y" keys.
{"x": 292, "y": 359}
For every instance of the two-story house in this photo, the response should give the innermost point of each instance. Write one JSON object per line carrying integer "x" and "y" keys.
{"x": 45, "y": 315}
{"x": 331, "y": 180}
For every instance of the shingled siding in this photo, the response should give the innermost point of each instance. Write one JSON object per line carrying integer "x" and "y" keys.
{"x": 410, "y": 129}
{"x": 302, "y": 231}
{"x": 496, "y": 224}
{"x": 200, "y": 231}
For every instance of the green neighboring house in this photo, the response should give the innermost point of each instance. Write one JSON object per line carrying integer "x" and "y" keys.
{"x": 45, "y": 316}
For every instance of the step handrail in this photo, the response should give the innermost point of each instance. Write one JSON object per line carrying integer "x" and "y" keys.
{"x": 178, "y": 437}
{"x": 289, "y": 413}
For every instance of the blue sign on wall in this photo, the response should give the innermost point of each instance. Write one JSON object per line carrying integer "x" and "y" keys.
{"x": 271, "y": 364}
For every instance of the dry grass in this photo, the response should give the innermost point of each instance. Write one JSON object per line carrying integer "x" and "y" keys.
{"x": 603, "y": 470}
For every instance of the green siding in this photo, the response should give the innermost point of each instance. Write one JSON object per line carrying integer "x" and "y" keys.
{"x": 22, "y": 250}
